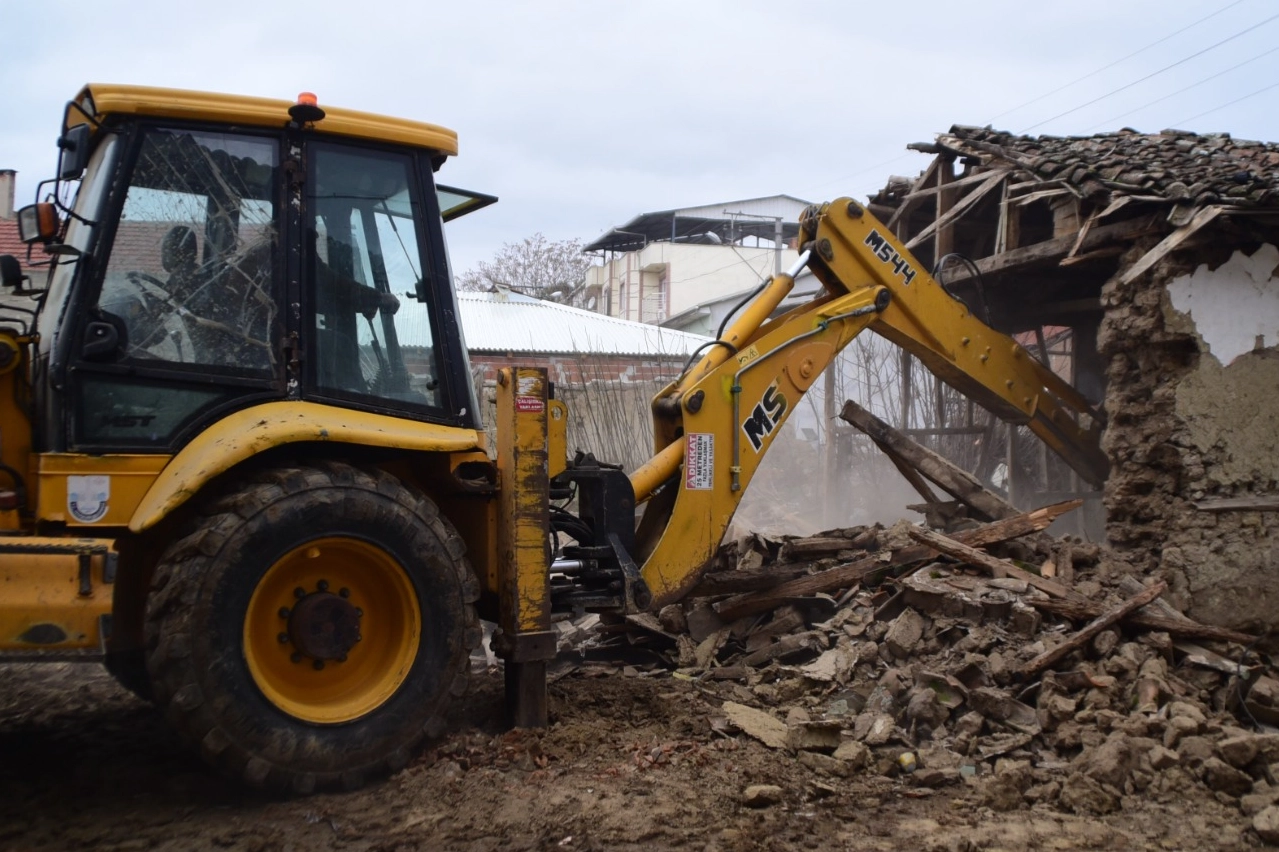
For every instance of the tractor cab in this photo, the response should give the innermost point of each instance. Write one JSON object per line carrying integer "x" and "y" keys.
{"x": 218, "y": 253}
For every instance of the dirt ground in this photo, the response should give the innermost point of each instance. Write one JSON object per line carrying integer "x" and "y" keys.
{"x": 631, "y": 761}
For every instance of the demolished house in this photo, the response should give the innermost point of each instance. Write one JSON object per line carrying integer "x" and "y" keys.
{"x": 1154, "y": 257}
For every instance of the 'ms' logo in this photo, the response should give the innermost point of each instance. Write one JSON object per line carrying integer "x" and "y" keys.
{"x": 763, "y": 419}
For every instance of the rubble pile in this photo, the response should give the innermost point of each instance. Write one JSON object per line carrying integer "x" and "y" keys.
{"x": 1030, "y": 668}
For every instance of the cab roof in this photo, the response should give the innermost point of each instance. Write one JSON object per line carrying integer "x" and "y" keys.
{"x": 103, "y": 99}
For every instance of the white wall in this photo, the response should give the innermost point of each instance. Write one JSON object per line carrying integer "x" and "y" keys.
{"x": 694, "y": 274}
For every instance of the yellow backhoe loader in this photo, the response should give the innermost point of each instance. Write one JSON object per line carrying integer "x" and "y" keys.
{"x": 241, "y": 458}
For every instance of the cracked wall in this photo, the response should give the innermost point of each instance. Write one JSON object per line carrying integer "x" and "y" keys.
{"x": 1193, "y": 401}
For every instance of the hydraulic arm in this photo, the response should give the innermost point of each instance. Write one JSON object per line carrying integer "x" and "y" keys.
{"x": 714, "y": 423}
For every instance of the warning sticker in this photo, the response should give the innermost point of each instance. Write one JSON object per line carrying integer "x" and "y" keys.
{"x": 87, "y": 497}
{"x": 528, "y": 394}
{"x": 699, "y": 461}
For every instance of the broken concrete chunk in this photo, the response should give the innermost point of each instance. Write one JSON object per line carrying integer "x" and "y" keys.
{"x": 873, "y": 728}
{"x": 1161, "y": 758}
{"x": 969, "y": 724}
{"x": 1254, "y": 803}
{"x": 756, "y": 723}
{"x": 814, "y": 736}
{"x": 834, "y": 665}
{"x": 1224, "y": 778}
{"x": 1266, "y": 824}
{"x": 1088, "y": 796}
{"x": 824, "y": 764}
{"x": 904, "y": 634}
{"x": 936, "y": 777}
{"x": 1195, "y": 750}
{"x": 852, "y": 752}
{"x": 761, "y": 795}
{"x": 995, "y": 705}
{"x": 672, "y": 619}
{"x": 1001, "y": 744}
{"x": 923, "y": 708}
{"x": 702, "y": 621}
{"x": 1238, "y": 751}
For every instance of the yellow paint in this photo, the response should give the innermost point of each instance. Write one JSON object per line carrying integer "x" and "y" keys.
{"x": 42, "y": 591}
{"x": 376, "y": 666}
{"x": 859, "y": 261}
{"x": 246, "y": 433}
{"x": 130, "y": 477}
{"x": 556, "y": 437}
{"x": 523, "y": 577}
{"x": 111, "y": 99}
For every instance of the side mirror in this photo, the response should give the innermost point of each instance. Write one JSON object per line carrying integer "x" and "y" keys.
{"x": 38, "y": 223}
{"x": 74, "y": 155}
{"x": 11, "y": 276}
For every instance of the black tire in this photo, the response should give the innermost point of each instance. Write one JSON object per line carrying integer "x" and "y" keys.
{"x": 199, "y": 648}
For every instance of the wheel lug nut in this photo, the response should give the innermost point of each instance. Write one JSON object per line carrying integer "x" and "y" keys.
{"x": 317, "y": 665}
{"x": 344, "y": 592}
{"x": 284, "y": 638}
{"x": 359, "y": 613}
{"x": 341, "y": 658}
{"x": 299, "y": 593}
{"x": 296, "y": 656}
{"x": 323, "y": 585}
{"x": 285, "y": 612}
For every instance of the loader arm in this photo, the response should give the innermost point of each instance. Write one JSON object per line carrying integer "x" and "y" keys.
{"x": 714, "y": 423}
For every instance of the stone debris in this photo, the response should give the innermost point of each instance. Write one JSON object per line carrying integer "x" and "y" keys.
{"x": 931, "y": 657}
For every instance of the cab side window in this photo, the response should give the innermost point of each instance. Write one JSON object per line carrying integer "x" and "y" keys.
{"x": 371, "y": 329}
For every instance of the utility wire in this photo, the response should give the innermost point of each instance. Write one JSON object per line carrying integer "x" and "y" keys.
{"x": 858, "y": 173}
{"x": 1092, "y": 74}
{"x": 1130, "y": 112}
{"x": 1223, "y": 106}
{"x": 1153, "y": 74}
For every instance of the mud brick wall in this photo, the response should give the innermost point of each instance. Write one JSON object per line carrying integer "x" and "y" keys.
{"x": 1193, "y": 415}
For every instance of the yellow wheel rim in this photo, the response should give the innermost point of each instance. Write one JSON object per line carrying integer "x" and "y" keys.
{"x": 332, "y": 630}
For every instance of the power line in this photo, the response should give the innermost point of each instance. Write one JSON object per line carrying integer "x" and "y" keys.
{"x": 858, "y": 173}
{"x": 1116, "y": 62}
{"x": 1223, "y": 106}
{"x": 1153, "y": 74}
{"x": 1182, "y": 91}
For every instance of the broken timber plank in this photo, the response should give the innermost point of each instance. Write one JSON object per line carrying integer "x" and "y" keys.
{"x": 843, "y": 576}
{"x": 951, "y": 478}
{"x": 1180, "y": 625}
{"x": 997, "y": 567}
{"x": 1085, "y": 635}
{"x": 1056, "y": 248}
{"x": 1259, "y": 503}
{"x": 958, "y": 210}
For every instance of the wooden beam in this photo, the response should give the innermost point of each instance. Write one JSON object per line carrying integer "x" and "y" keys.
{"x": 951, "y": 478}
{"x": 1170, "y": 243}
{"x": 959, "y": 209}
{"x": 1257, "y": 503}
{"x": 1078, "y": 610}
{"x": 979, "y": 559}
{"x": 1053, "y": 250}
{"x": 851, "y": 573}
{"x": 1084, "y": 636}
{"x": 976, "y": 177}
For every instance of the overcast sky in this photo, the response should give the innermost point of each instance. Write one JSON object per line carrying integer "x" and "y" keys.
{"x": 581, "y": 115}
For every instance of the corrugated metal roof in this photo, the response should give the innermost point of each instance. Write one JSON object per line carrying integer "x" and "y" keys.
{"x": 511, "y": 322}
